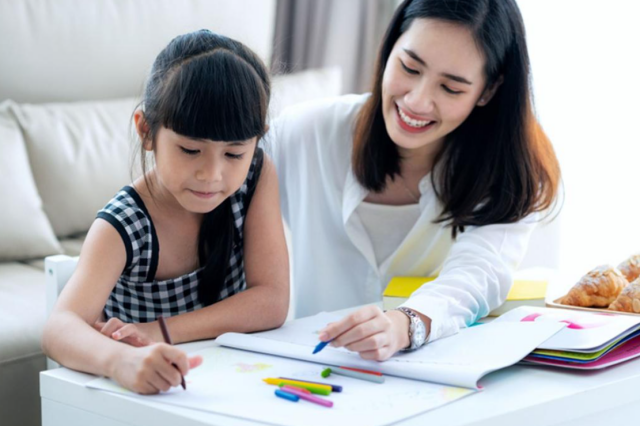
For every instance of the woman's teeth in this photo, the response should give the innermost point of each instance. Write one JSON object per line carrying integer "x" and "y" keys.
{"x": 410, "y": 121}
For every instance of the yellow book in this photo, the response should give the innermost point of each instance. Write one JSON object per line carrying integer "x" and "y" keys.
{"x": 523, "y": 292}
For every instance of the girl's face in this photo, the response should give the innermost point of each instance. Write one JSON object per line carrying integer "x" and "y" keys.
{"x": 200, "y": 174}
{"x": 433, "y": 79}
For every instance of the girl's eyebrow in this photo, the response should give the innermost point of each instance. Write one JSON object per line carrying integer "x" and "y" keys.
{"x": 239, "y": 143}
{"x": 231, "y": 143}
{"x": 418, "y": 59}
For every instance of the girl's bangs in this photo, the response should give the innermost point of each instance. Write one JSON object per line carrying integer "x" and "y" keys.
{"x": 216, "y": 96}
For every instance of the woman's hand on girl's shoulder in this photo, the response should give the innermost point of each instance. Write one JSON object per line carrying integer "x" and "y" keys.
{"x": 141, "y": 334}
{"x": 152, "y": 369}
{"x": 371, "y": 332}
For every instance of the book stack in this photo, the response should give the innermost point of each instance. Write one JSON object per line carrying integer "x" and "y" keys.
{"x": 589, "y": 341}
{"x": 522, "y": 293}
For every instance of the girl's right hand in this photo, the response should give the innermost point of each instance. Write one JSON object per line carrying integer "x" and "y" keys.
{"x": 149, "y": 369}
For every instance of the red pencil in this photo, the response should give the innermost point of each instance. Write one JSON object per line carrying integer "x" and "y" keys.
{"x": 375, "y": 373}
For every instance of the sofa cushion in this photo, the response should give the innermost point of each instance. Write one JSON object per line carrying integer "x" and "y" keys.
{"x": 80, "y": 155}
{"x": 24, "y": 227}
{"x": 19, "y": 391}
{"x": 70, "y": 247}
{"x": 77, "y": 50}
{"x": 22, "y": 316}
{"x": 22, "y": 311}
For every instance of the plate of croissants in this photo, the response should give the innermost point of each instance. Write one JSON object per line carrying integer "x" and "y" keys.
{"x": 606, "y": 289}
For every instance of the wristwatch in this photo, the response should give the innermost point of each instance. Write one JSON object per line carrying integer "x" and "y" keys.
{"x": 417, "y": 330}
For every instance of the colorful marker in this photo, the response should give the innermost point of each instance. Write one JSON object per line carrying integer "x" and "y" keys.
{"x": 307, "y": 397}
{"x": 317, "y": 389}
{"x": 320, "y": 346}
{"x": 287, "y": 395}
{"x": 355, "y": 374}
{"x": 334, "y": 388}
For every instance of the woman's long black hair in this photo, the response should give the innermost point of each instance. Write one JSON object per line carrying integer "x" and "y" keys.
{"x": 497, "y": 166}
{"x": 207, "y": 86}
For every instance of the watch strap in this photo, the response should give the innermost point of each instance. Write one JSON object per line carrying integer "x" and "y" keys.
{"x": 414, "y": 320}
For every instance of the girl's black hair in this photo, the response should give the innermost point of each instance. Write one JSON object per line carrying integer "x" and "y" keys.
{"x": 207, "y": 86}
{"x": 497, "y": 166}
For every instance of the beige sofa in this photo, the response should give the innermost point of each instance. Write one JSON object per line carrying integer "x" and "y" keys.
{"x": 71, "y": 74}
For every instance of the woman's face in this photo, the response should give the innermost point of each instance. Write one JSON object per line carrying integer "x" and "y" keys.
{"x": 433, "y": 79}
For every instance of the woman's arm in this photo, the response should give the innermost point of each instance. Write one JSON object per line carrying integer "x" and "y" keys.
{"x": 70, "y": 339}
{"x": 265, "y": 302}
{"x": 475, "y": 278}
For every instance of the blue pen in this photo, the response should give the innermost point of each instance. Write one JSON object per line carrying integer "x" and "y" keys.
{"x": 320, "y": 346}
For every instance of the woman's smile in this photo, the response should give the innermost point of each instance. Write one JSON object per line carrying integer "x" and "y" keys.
{"x": 411, "y": 123}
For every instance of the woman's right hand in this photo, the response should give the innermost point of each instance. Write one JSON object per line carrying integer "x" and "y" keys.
{"x": 149, "y": 369}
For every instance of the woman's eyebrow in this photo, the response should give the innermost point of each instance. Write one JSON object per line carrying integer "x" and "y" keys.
{"x": 418, "y": 59}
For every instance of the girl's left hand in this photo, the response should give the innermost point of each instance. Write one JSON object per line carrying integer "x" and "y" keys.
{"x": 374, "y": 334}
{"x": 140, "y": 334}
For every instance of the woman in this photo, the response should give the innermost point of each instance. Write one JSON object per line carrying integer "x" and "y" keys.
{"x": 442, "y": 169}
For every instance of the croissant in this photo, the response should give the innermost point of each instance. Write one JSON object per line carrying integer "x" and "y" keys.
{"x": 630, "y": 268}
{"x": 629, "y": 299}
{"x": 598, "y": 288}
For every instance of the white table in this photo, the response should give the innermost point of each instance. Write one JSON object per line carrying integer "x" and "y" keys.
{"x": 519, "y": 395}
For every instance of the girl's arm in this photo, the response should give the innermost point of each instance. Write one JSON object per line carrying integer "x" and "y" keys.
{"x": 265, "y": 302}
{"x": 70, "y": 339}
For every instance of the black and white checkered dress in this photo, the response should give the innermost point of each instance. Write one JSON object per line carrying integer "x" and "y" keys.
{"x": 137, "y": 296}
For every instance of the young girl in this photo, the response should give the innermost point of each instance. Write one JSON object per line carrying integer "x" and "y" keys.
{"x": 198, "y": 238}
{"x": 441, "y": 170}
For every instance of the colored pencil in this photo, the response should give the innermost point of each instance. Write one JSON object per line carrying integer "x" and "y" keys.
{"x": 375, "y": 373}
{"x": 357, "y": 375}
{"x": 307, "y": 397}
{"x": 167, "y": 340}
{"x": 334, "y": 388}
{"x": 307, "y": 391}
{"x": 287, "y": 395}
{"x": 320, "y": 346}
{"x": 317, "y": 389}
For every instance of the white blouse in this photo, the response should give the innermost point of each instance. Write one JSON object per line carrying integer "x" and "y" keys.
{"x": 333, "y": 258}
{"x": 387, "y": 226}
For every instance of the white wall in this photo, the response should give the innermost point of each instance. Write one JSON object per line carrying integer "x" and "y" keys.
{"x": 586, "y": 76}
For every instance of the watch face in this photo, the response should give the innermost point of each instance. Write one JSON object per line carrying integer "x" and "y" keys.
{"x": 419, "y": 334}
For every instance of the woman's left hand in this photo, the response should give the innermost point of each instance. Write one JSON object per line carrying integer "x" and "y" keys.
{"x": 374, "y": 334}
{"x": 139, "y": 334}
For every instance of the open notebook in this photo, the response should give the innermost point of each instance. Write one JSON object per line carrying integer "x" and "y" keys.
{"x": 459, "y": 360}
{"x": 230, "y": 382}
